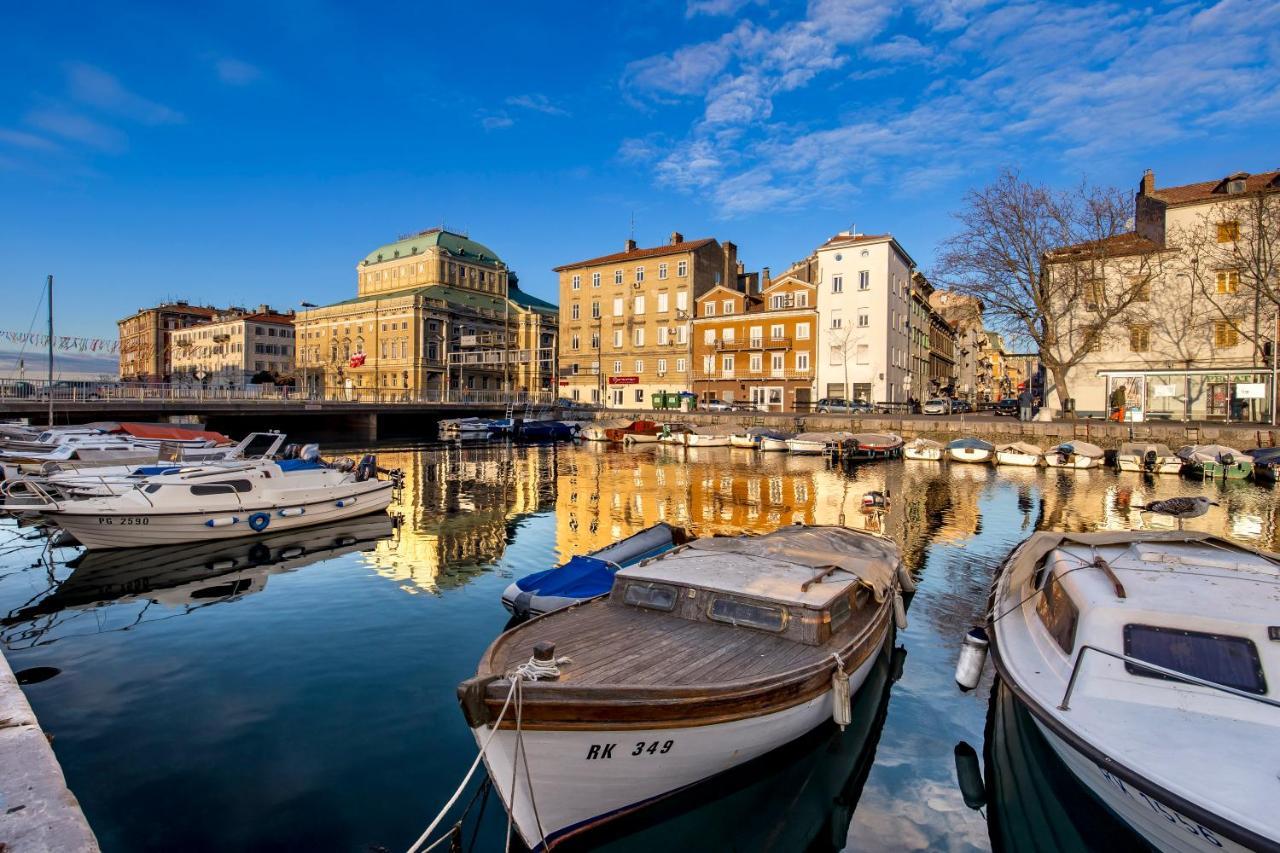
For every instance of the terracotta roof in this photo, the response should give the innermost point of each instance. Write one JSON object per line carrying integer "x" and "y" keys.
{"x": 1118, "y": 245}
{"x": 636, "y": 254}
{"x": 1211, "y": 190}
{"x": 268, "y": 318}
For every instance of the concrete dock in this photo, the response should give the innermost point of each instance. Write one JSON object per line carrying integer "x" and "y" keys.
{"x": 38, "y": 814}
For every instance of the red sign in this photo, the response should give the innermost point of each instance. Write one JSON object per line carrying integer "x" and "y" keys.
{"x": 357, "y": 360}
{"x": 624, "y": 380}
{"x": 564, "y": 382}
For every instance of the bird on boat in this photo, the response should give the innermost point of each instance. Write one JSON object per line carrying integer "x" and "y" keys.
{"x": 1179, "y": 508}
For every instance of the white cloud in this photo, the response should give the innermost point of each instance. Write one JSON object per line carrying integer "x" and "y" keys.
{"x": 537, "y": 103}
{"x": 77, "y": 128}
{"x": 31, "y": 141}
{"x": 719, "y": 8}
{"x": 496, "y": 121}
{"x": 899, "y": 49}
{"x": 97, "y": 88}
{"x": 236, "y": 72}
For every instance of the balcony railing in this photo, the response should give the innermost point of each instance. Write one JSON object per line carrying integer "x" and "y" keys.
{"x": 764, "y": 376}
{"x": 754, "y": 343}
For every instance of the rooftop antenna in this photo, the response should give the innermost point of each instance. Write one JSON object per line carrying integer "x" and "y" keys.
{"x": 633, "y": 225}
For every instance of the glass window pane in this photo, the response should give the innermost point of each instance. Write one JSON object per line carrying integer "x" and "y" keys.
{"x": 1230, "y": 661}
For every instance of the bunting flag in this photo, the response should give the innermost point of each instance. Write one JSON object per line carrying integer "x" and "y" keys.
{"x": 62, "y": 342}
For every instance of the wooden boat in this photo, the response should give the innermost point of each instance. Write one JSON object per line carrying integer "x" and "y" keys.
{"x": 1019, "y": 453}
{"x": 630, "y": 438}
{"x": 923, "y": 449}
{"x": 697, "y": 661}
{"x": 970, "y": 450}
{"x": 706, "y": 436}
{"x": 1074, "y": 454}
{"x": 873, "y": 445}
{"x": 1147, "y": 458}
{"x": 1212, "y": 461}
{"x": 598, "y": 431}
{"x": 818, "y": 443}
{"x": 619, "y": 435}
{"x": 588, "y": 576}
{"x": 1179, "y": 625}
{"x": 775, "y": 442}
{"x": 673, "y": 433}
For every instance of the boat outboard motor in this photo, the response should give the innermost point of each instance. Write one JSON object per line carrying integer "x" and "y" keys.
{"x": 367, "y": 469}
{"x": 1065, "y": 452}
{"x": 1149, "y": 460}
{"x": 309, "y": 453}
{"x": 344, "y": 464}
{"x": 290, "y": 451}
{"x": 1227, "y": 459}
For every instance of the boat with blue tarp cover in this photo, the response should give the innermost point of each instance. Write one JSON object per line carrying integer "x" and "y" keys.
{"x": 587, "y": 576}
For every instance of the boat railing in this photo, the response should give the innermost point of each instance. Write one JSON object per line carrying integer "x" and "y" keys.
{"x": 1156, "y": 668}
{"x": 26, "y": 492}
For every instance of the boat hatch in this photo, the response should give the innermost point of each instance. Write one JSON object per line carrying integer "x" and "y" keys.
{"x": 1222, "y": 659}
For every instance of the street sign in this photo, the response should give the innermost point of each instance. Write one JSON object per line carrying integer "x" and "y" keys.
{"x": 469, "y": 340}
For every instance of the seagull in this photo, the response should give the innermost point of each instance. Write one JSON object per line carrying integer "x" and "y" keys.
{"x": 1179, "y": 508}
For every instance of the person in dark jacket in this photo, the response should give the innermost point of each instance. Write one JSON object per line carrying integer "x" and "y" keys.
{"x": 1024, "y": 405}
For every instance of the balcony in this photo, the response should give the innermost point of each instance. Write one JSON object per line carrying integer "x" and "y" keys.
{"x": 763, "y": 377}
{"x": 754, "y": 343}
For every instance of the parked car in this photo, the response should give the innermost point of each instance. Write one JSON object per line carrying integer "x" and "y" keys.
{"x": 1006, "y": 406}
{"x": 835, "y": 405}
{"x": 66, "y": 389}
{"x": 745, "y": 406}
{"x": 937, "y": 406}
{"x": 716, "y": 406}
{"x": 961, "y": 407}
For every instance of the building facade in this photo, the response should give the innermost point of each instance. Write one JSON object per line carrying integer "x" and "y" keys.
{"x": 757, "y": 348}
{"x": 933, "y": 363}
{"x": 625, "y": 319}
{"x": 146, "y": 344}
{"x": 230, "y": 349}
{"x": 436, "y": 316}
{"x": 1186, "y": 334}
{"x": 972, "y": 370}
{"x": 863, "y": 292}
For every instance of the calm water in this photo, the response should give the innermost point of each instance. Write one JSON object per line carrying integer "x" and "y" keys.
{"x": 299, "y": 694}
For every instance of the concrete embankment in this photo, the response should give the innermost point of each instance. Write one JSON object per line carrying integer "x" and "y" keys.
{"x": 38, "y": 814}
{"x": 1103, "y": 433}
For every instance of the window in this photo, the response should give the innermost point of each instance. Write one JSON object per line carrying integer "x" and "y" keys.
{"x": 802, "y": 299}
{"x": 778, "y": 300}
{"x": 595, "y": 279}
{"x": 639, "y": 273}
{"x": 837, "y": 322}
{"x": 708, "y": 309}
{"x": 640, "y": 337}
{"x": 759, "y": 616}
{"x": 1094, "y": 295}
{"x": 776, "y": 363}
{"x": 662, "y": 303}
{"x": 802, "y": 361}
{"x": 574, "y": 311}
{"x": 682, "y": 300}
{"x": 708, "y": 364}
{"x": 757, "y": 362}
{"x": 1225, "y": 660}
{"x": 651, "y": 596}
{"x": 573, "y": 342}
{"x": 225, "y": 487}
{"x": 639, "y": 365}
{"x": 1058, "y": 613}
{"x": 577, "y": 282}
{"x": 662, "y": 336}
{"x": 682, "y": 268}
{"x": 777, "y": 332}
{"x": 1227, "y": 281}
{"x": 1225, "y": 333}
{"x": 726, "y": 364}
{"x": 837, "y": 355}
{"x": 639, "y": 305}
{"x": 802, "y": 331}
{"x": 837, "y": 284}
{"x": 726, "y": 307}
{"x": 662, "y": 366}
{"x": 727, "y": 335}
{"x": 617, "y": 276}
{"x": 1139, "y": 338}
{"x": 662, "y": 270}
{"x": 864, "y": 319}
{"x": 617, "y": 306}
{"x": 680, "y": 365}
{"x": 1140, "y": 288}
{"x": 617, "y": 367}
{"x": 682, "y": 335}
{"x": 862, "y": 355}
{"x": 709, "y": 336}
{"x": 595, "y": 310}
{"x": 864, "y": 280}
{"x": 639, "y": 395}
{"x": 595, "y": 340}
{"x": 1228, "y": 232}
{"x": 617, "y": 339}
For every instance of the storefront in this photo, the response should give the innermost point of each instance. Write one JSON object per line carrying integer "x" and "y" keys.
{"x": 1233, "y": 396}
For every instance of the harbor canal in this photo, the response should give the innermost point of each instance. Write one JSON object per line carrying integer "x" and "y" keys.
{"x": 297, "y": 692}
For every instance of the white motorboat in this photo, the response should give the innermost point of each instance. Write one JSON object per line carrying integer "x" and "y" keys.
{"x": 923, "y": 449}
{"x": 596, "y": 431}
{"x": 211, "y": 502}
{"x": 697, "y": 661}
{"x": 641, "y": 438}
{"x": 1019, "y": 453}
{"x": 467, "y": 429}
{"x": 970, "y": 450}
{"x": 1074, "y": 454}
{"x": 818, "y": 443}
{"x": 775, "y": 442}
{"x": 1148, "y": 458}
{"x": 1211, "y": 461}
{"x": 1148, "y": 660}
{"x": 745, "y": 440}
{"x": 673, "y": 433}
{"x": 706, "y": 436}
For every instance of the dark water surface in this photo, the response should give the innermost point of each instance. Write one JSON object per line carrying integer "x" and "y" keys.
{"x": 298, "y": 693}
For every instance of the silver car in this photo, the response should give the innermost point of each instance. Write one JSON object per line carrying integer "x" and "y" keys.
{"x": 937, "y": 406}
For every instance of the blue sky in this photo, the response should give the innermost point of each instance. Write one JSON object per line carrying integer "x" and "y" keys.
{"x": 245, "y": 153}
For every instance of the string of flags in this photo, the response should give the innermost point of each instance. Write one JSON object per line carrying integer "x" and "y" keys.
{"x": 61, "y": 342}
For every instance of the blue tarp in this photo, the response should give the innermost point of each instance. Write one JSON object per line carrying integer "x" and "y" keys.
{"x": 151, "y": 470}
{"x": 287, "y": 465}
{"x": 581, "y": 577}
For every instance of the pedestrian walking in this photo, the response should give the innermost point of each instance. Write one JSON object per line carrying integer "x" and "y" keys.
{"x": 1024, "y": 405}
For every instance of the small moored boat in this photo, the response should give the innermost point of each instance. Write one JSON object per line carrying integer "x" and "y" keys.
{"x": 598, "y": 430}
{"x": 923, "y": 449}
{"x": 618, "y": 435}
{"x": 1147, "y": 458}
{"x": 1266, "y": 463}
{"x": 873, "y": 445}
{"x": 1019, "y": 453}
{"x": 586, "y": 577}
{"x": 970, "y": 450}
{"x": 818, "y": 443}
{"x": 706, "y": 436}
{"x": 1074, "y": 454}
{"x": 775, "y": 441}
{"x": 750, "y": 438}
{"x": 1212, "y": 461}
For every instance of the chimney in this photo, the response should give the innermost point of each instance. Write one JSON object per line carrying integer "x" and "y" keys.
{"x": 1148, "y": 182}
{"x": 676, "y": 237}
{"x": 631, "y": 246}
{"x": 729, "y": 272}
{"x": 742, "y": 268}
{"x": 765, "y": 278}
{"x": 264, "y": 309}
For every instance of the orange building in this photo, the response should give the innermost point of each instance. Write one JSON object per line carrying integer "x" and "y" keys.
{"x": 757, "y": 348}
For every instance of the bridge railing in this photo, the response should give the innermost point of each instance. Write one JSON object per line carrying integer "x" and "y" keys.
{"x": 78, "y": 391}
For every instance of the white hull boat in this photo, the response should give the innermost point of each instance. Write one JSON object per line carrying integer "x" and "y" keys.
{"x": 970, "y": 450}
{"x": 745, "y": 441}
{"x": 817, "y": 443}
{"x": 696, "y": 439}
{"x": 1074, "y": 454}
{"x": 1019, "y": 454}
{"x": 597, "y": 431}
{"x": 773, "y": 445}
{"x": 1148, "y": 459}
{"x": 1171, "y": 719}
{"x": 922, "y": 450}
{"x": 640, "y": 438}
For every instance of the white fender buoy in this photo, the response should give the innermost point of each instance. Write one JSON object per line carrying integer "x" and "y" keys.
{"x": 225, "y": 521}
{"x": 291, "y": 511}
{"x": 345, "y": 502}
{"x": 899, "y": 612}
{"x": 841, "y": 698}
{"x": 905, "y": 581}
{"x": 973, "y": 657}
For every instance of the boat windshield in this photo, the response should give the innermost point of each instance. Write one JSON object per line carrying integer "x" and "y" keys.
{"x": 1229, "y": 661}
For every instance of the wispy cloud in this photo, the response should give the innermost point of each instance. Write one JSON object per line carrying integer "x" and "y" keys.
{"x": 97, "y": 88}
{"x": 30, "y": 141}
{"x": 75, "y": 127}
{"x": 236, "y": 72}
{"x": 496, "y": 121}
{"x": 717, "y": 7}
{"x": 537, "y": 103}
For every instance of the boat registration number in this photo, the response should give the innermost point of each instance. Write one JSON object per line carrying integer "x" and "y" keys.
{"x": 599, "y": 751}
{"x": 1164, "y": 811}
{"x": 124, "y": 520}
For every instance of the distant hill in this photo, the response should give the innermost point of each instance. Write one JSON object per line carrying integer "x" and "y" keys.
{"x": 66, "y": 365}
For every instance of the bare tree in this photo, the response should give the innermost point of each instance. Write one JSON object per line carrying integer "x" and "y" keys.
{"x": 845, "y": 341}
{"x": 1046, "y": 264}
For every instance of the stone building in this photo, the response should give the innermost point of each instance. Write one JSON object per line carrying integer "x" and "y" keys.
{"x": 625, "y": 318}
{"x": 232, "y": 347}
{"x": 146, "y": 353}
{"x": 436, "y": 315}
{"x": 757, "y": 348}
{"x": 933, "y": 363}
{"x": 972, "y": 360}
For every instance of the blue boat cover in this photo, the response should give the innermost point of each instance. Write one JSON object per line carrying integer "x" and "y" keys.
{"x": 288, "y": 465}
{"x": 581, "y": 577}
{"x": 151, "y": 470}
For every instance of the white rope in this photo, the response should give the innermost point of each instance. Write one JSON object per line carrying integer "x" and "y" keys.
{"x": 530, "y": 670}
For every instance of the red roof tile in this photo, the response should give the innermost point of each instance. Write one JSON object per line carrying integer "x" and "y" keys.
{"x": 1212, "y": 190}
{"x": 636, "y": 254}
{"x": 1118, "y": 245}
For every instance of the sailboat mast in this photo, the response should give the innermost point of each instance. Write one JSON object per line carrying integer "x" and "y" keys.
{"x": 49, "y": 389}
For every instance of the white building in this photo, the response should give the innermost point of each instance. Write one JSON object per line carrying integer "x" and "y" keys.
{"x": 864, "y": 310}
{"x": 229, "y": 350}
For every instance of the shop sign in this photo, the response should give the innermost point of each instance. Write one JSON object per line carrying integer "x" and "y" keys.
{"x": 1251, "y": 391}
{"x": 624, "y": 380}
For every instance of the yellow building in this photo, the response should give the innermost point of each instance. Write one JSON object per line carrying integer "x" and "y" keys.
{"x": 232, "y": 348}
{"x": 146, "y": 353}
{"x": 625, "y": 318}
{"x": 436, "y": 316}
